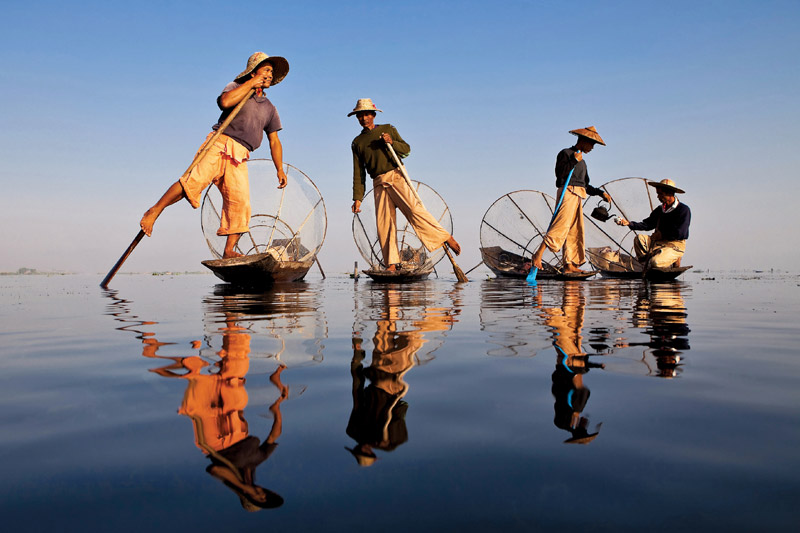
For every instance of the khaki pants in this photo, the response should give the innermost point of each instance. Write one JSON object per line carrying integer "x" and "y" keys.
{"x": 567, "y": 228}
{"x": 391, "y": 192}
{"x": 662, "y": 254}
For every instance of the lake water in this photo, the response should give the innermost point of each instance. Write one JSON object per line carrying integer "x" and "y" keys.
{"x": 175, "y": 403}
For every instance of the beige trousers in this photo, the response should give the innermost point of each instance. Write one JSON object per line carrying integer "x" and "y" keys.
{"x": 391, "y": 192}
{"x": 567, "y": 228}
{"x": 662, "y": 253}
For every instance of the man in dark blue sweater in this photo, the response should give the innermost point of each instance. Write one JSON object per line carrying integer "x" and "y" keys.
{"x": 665, "y": 247}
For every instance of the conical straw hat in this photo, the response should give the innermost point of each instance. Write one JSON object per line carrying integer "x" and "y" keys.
{"x": 590, "y": 133}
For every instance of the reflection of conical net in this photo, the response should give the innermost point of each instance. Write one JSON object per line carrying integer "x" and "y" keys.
{"x": 512, "y": 229}
{"x": 289, "y": 223}
{"x": 413, "y": 253}
{"x": 609, "y": 246}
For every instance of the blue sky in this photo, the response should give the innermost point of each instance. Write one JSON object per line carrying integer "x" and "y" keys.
{"x": 105, "y": 103}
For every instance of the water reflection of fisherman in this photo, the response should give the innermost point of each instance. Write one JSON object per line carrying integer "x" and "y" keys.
{"x": 568, "y": 389}
{"x": 377, "y": 420}
{"x": 215, "y": 402}
{"x": 661, "y": 310}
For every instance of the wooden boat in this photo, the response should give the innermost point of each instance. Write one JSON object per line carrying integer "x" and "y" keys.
{"x": 417, "y": 263}
{"x": 404, "y": 275}
{"x": 511, "y": 231}
{"x": 257, "y": 270}
{"x": 652, "y": 274}
{"x": 506, "y": 264}
{"x": 286, "y": 230}
{"x": 609, "y": 246}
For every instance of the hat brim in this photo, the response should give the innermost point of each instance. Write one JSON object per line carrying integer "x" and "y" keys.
{"x": 586, "y": 134}
{"x": 280, "y": 68}
{"x": 659, "y": 185}
{"x": 354, "y": 111}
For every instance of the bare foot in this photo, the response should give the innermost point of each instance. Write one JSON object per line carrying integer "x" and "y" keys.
{"x": 231, "y": 254}
{"x": 453, "y": 244}
{"x": 148, "y": 220}
{"x": 571, "y": 269}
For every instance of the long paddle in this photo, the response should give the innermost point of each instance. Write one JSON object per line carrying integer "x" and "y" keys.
{"x": 460, "y": 276}
{"x": 197, "y": 158}
{"x": 531, "y": 279}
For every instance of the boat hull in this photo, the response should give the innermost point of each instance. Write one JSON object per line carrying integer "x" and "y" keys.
{"x": 398, "y": 276}
{"x": 258, "y": 270}
{"x": 652, "y": 274}
{"x": 505, "y": 264}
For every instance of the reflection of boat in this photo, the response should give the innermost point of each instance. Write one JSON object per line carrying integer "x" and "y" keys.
{"x": 609, "y": 247}
{"x": 512, "y": 229}
{"x": 417, "y": 263}
{"x": 281, "y": 244}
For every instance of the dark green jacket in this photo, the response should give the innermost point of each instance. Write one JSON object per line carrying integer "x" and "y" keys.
{"x": 371, "y": 156}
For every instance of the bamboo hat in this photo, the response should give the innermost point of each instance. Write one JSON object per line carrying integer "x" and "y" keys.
{"x": 280, "y": 67}
{"x": 363, "y": 104}
{"x": 667, "y": 185}
{"x": 590, "y": 133}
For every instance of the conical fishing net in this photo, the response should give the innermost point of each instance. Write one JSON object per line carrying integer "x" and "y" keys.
{"x": 288, "y": 223}
{"x": 513, "y": 228}
{"x": 609, "y": 246}
{"x": 413, "y": 254}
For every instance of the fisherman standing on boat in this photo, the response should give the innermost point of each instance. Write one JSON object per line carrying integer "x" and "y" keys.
{"x": 566, "y": 229}
{"x": 665, "y": 247}
{"x": 390, "y": 189}
{"x": 225, "y": 164}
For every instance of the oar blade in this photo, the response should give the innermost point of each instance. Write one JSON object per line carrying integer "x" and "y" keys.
{"x": 531, "y": 279}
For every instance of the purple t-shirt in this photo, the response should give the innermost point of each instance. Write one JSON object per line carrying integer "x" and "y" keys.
{"x": 258, "y": 116}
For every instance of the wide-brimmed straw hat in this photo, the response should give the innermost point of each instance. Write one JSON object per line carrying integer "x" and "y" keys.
{"x": 280, "y": 67}
{"x": 590, "y": 133}
{"x": 363, "y": 104}
{"x": 667, "y": 185}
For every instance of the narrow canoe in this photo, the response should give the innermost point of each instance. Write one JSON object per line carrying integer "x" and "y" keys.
{"x": 398, "y": 276}
{"x": 652, "y": 274}
{"x": 257, "y": 270}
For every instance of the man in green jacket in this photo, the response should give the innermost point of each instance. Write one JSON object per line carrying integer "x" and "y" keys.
{"x": 390, "y": 189}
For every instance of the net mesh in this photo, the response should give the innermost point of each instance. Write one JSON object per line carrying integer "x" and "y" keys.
{"x": 413, "y": 253}
{"x": 609, "y": 246}
{"x": 288, "y": 223}
{"x": 512, "y": 229}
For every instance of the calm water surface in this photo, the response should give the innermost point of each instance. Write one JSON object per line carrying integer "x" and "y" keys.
{"x": 174, "y": 403}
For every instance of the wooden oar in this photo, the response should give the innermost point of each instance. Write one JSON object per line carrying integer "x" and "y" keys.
{"x": 197, "y": 158}
{"x": 460, "y": 276}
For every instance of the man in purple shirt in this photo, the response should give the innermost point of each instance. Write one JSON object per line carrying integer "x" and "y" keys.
{"x": 225, "y": 164}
